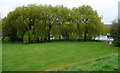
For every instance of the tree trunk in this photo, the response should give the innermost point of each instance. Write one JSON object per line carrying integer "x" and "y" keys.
{"x": 49, "y": 36}
{"x": 79, "y": 37}
{"x": 85, "y": 34}
{"x": 85, "y": 37}
{"x": 74, "y": 37}
{"x": 89, "y": 37}
{"x": 59, "y": 37}
{"x": 67, "y": 37}
{"x": 38, "y": 40}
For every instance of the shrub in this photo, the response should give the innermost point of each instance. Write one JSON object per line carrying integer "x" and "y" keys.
{"x": 6, "y": 38}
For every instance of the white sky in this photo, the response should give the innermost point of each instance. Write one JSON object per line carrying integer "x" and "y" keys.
{"x": 107, "y": 8}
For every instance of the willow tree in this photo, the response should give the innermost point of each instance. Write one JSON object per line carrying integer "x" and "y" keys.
{"x": 90, "y": 20}
{"x": 76, "y": 18}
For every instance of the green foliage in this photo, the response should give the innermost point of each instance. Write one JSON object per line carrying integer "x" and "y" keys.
{"x": 8, "y": 29}
{"x": 6, "y": 39}
{"x": 39, "y": 22}
{"x": 20, "y": 26}
{"x": 26, "y": 38}
{"x": 115, "y": 32}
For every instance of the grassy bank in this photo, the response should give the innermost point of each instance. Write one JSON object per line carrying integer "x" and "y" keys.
{"x": 105, "y": 63}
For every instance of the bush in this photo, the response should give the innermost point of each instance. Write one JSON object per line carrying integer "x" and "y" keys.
{"x": 6, "y": 38}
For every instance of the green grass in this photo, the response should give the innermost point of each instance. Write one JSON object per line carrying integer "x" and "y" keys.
{"x": 44, "y": 56}
{"x": 105, "y": 63}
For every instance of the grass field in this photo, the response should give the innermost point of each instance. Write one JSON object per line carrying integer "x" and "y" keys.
{"x": 45, "y": 56}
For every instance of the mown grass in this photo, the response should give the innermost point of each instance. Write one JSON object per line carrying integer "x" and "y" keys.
{"x": 44, "y": 56}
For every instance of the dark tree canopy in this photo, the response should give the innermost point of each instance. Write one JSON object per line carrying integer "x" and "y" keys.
{"x": 115, "y": 32}
{"x": 35, "y": 23}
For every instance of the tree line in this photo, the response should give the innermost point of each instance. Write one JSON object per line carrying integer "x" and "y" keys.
{"x": 35, "y": 23}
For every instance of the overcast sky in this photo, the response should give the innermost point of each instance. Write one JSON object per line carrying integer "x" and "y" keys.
{"x": 107, "y": 8}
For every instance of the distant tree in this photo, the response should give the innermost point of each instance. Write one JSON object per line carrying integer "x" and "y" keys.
{"x": 115, "y": 32}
